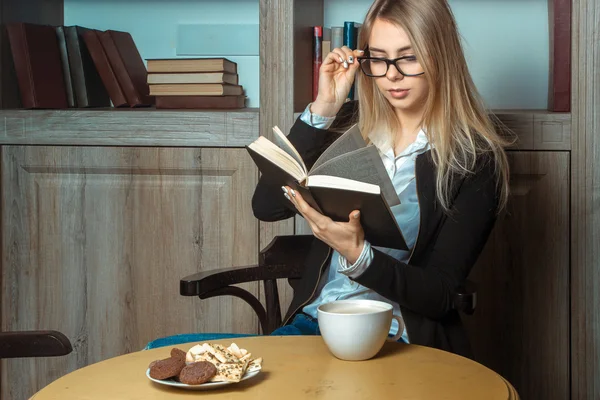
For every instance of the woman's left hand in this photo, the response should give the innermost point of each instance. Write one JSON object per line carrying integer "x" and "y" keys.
{"x": 345, "y": 237}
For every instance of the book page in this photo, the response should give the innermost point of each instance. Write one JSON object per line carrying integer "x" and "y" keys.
{"x": 336, "y": 182}
{"x": 363, "y": 165}
{"x": 282, "y": 141}
{"x": 277, "y": 156}
{"x": 349, "y": 141}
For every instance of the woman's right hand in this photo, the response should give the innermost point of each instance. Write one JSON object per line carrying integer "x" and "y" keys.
{"x": 336, "y": 77}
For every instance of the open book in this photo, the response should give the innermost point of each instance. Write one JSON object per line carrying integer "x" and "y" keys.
{"x": 349, "y": 175}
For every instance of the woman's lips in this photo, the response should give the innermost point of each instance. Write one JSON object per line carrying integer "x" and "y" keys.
{"x": 399, "y": 93}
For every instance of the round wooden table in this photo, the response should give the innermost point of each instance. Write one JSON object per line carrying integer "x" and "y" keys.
{"x": 297, "y": 367}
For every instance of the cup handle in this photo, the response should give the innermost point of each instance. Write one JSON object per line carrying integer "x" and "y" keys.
{"x": 400, "y": 329}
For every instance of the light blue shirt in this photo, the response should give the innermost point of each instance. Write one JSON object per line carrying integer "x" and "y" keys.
{"x": 401, "y": 169}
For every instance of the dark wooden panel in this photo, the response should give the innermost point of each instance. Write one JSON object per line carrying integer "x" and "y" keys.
{"x": 585, "y": 202}
{"x": 521, "y": 326}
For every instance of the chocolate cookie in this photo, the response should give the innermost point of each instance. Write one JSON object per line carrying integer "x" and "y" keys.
{"x": 197, "y": 373}
{"x": 167, "y": 368}
{"x": 177, "y": 353}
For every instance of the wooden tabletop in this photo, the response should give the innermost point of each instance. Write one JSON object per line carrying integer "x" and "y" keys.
{"x": 300, "y": 367}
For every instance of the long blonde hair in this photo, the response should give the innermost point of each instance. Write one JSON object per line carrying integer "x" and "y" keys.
{"x": 455, "y": 120}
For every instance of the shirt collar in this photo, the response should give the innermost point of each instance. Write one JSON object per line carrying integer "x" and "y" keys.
{"x": 420, "y": 145}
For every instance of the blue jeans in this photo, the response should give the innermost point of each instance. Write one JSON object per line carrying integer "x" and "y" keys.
{"x": 302, "y": 324}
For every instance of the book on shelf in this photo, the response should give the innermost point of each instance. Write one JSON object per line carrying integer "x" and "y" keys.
{"x": 191, "y": 65}
{"x": 348, "y": 176}
{"x": 196, "y": 89}
{"x": 351, "y": 40}
{"x": 191, "y": 77}
{"x": 127, "y": 65}
{"x": 337, "y": 37}
{"x": 38, "y": 66}
{"x": 64, "y": 58}
{"x": 200, "y": 102}
{"x": 87, "y": 85}
{"x": 317, "y": 58}
{"x": 107, "y": 74}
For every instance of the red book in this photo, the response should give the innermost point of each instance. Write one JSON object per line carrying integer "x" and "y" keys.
{"x": 200, "y": 102}
{"x": 128, "y": 65}
{"x": 107, "y": 75}
{"x": 37, "y": 58}
{"x": 559, "y": 93}
{"x": 317, "y": 58}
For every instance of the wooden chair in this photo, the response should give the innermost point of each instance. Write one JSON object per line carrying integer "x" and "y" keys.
{"x": 282, "y": 258}
{"x": 34, "y": 344}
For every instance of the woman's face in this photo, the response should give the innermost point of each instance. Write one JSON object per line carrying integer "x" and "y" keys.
{"x": 405, "y": 93}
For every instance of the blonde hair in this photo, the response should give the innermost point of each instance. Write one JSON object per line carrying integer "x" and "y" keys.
{"x": 454, "y": 118}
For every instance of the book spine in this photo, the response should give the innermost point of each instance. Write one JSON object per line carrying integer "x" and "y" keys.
{"x": 337, "y": 37}
{"x": 350, "y": 41}
{"x": 317, "y": 58}
{"x": 64, "y": 57}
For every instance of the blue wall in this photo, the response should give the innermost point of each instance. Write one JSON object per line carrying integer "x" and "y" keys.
{"x": 506, "y": 43}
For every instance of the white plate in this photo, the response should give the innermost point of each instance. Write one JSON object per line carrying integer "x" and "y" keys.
{"x": 203, "y": 386}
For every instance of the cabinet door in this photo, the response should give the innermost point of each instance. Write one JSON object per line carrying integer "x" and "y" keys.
{"x": 95, "y": 240}
{"x": 520, "y": 328}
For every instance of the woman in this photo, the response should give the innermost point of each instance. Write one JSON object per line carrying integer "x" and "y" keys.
{"x": 418, "y": 105}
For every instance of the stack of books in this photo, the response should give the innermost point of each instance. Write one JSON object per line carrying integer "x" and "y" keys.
{"x": 195, "y": 83}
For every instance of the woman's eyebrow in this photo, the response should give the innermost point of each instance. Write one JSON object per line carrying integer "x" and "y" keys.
{"x": 400, "y": 50}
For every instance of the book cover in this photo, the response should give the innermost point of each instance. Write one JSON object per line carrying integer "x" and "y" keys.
{"x": 191, "y": 65}
{"x": 38, "y": 66}
{"x": 109, "y": 79}
{"x": 200, "y": 102}
{"x": 349, "y": 175}
{"x": 133, "y": 77}
{"x": 132, "y": 80}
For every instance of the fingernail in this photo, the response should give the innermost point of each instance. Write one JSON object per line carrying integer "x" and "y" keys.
{"x": 293, "y": 193}
{"x": 287, "y": 196}
{"x": 284, "y": 189}
{"x": 341, "y": 59}
{"x": 356, "y": 215}
{"x": 345, "y": 64}
{"x": 351, "y": 60}
{"x": 361, "y": 51}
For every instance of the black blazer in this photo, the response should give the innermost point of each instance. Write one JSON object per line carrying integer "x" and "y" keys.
{"x": 447, "y": 245}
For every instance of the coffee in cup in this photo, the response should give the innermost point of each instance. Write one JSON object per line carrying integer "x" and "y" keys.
{"x": 356, "y": 330}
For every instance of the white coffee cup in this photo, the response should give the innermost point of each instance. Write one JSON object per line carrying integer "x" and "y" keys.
{"x": 356, "y": 330}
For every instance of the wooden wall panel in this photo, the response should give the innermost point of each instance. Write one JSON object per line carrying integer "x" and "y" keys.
{"x": 585, "y": 202}
{"x": 95, "y": 241}
{"x": 520, "y": 328}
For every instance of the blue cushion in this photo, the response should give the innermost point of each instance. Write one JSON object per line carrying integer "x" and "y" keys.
{"x": 191, "y": 337}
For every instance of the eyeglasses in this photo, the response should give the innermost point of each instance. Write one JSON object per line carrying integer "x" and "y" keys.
{"x": 377, "y": 67}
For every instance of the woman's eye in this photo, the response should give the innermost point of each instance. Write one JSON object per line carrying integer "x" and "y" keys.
{"x": 410, "y": 58}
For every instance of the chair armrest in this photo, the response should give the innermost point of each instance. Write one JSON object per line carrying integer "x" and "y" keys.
{"x": 465, "y": 298}
{"x": 207, "y": 281}
{"x": 34, "y": 344}
{"x": 283, "y": 258}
